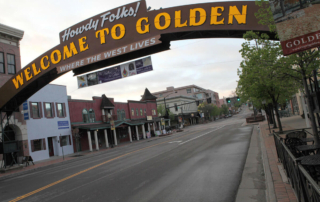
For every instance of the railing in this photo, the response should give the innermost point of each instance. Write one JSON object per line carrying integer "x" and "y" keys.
{"x": 106, "y": 119}
{"x": 305, "y": 187}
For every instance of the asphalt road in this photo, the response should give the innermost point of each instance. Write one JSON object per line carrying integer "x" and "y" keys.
{"x": 203, "y": 163}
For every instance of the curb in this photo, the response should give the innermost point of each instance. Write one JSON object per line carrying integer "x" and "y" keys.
{"x": 270, "y": 191}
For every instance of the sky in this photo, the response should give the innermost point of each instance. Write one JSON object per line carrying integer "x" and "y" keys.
{"x": 208, "y": 63}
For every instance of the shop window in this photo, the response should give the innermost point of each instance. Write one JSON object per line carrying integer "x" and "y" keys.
{"x": 11, "y": 64}
{"x": 38, "y": 145}
{"x": 137, "y": 112}
{"x": 85, "y": 116}
{"x": 123, "y": 113}
{"x": 145, "y": 111}
{"x": 36, "y": 110}
{"x": 132, "y": 112}
{"x": 49, "y": 112}
{"x": 92, "y": 117}
{"x": 188, "y": 90}
{"x": 1, "y": 63}
{"x": 141, "y": 113}
{"x": 61, "y": 110}
{"x": 65, "y": 140}
{"x": 154, "y": 112}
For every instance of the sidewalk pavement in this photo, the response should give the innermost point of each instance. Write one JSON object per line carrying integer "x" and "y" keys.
{"x": 282, "y": 189}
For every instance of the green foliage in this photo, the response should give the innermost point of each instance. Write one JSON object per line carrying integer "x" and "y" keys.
{"x": 224, "y": 109}
{"x": 162, "y": 112}
{"x": 263, "y": 72}
{"x": 210, "y": 110}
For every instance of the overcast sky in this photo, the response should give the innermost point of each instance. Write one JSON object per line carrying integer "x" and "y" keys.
{"x": 208, "y": 63}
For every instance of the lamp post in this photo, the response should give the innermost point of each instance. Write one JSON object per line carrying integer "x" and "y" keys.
{"x": 165, "y": 104}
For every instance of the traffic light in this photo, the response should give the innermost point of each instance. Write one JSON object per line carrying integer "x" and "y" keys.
{"x": 238, "y": 99}
{"x": 228, "y": 100}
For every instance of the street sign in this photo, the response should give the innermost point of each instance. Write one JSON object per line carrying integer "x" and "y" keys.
{"x": 25, "y": 110}
{"x": 63, "y": 124}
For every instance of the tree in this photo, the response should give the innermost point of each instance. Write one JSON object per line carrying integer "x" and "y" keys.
{"x": 302, "y": 63}
{"x": 262, "y": 73}
{"x": 224, "y": 109}
{"x": 162, "y": 112}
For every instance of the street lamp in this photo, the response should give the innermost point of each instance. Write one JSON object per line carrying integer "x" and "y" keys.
{"x": 165, "y": 105}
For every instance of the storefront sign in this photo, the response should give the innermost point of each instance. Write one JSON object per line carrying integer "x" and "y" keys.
{"x": 180, "y": 119}
{"x": 112, "y": 125}
{"x": 63, "y": 124}
{"x": 163, "y": 122}
{"x": 149, "y": 118}
{"x": 121, "y": 71}
{"x": 298, "y": 24}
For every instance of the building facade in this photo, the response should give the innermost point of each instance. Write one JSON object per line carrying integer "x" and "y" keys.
{"x": 181, "y": 106}
{"x": 201, "y": 94}
{"x": 13, "y": 125}
{"x": 93, "y": 121}
{"x": 48, "y": 126}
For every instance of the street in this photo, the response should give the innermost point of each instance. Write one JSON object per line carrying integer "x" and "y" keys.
{"x": 202, "y": 163}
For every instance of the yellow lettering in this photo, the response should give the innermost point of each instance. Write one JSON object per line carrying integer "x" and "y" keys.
{"x": 146, "y": 27}
{"x": 69, "y": 53}
{"x": 17, "y": 80}
{"x": 234, "y": 12}
{"x": 215, "y": 14}
{"x": 114, "y": 31}
{"x": 166, "y": 18}
{"x": 178, "y": 20}
{"x": 58, "y": 53}
{"x": 47, "y": 58}
{"x": 193, "y": 15}
{"x": 82, "y": 42}
{"x": 27, "y": 73}
{"x": 102, "y": 35}
{"x": 35, "y": 71}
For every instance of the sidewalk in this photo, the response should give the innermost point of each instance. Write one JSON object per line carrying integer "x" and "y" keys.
{"x": 283, "y": 190}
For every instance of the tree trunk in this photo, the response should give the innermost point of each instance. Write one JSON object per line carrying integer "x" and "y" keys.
{"x": 274, "y": 120}
{"x": 277, "y": 115}
{"x": 311, "y": 114}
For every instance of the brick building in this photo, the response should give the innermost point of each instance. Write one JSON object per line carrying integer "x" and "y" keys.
{"x": 133, "y": 120}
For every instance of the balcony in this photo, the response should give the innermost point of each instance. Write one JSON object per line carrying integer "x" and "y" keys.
{"x": 105, "y": 118}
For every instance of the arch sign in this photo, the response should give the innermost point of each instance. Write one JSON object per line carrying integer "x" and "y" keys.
{"x": 125, "y": 33}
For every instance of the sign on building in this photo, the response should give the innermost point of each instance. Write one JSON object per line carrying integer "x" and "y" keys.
{"x": 149, "y": 118}
{"x": 298, "y": 24}
{"x": 63, "y": 124}
{"x": 112, "y": 125}
{"x": 117, "y": 72}
{"x": 25, "y": 110}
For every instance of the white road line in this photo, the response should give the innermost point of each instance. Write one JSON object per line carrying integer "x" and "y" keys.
{"x": 175, "y": 142}
{"x": 200, "y": 135}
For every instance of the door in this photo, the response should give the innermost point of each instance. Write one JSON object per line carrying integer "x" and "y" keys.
{"x": 50, "y": 143}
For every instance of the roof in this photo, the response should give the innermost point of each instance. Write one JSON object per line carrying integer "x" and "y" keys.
{"x": 11, "y": 31}
{"x": 148, "y": 96}
{"x": 106, "y": 103}
{"x": 116, "y": 123}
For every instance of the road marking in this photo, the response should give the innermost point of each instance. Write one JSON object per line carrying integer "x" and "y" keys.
{"x": 200, "y": 135}
{"x": 88, "y": 169}
{"x": 175, "y": 142}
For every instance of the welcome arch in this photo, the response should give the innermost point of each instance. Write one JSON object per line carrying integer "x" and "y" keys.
{"x": 126, "y": 33}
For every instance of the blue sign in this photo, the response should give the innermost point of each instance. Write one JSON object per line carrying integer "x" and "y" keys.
{"x": 26, "y": 116}
{"x": 63, "y": 124}
{"x": 25, "y": 105}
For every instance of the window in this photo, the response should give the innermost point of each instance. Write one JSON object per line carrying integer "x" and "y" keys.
{"x": 141, "y": 112}
{"x": 121, "y": 114}
{"x": 137, "y": 112}
{"x": 85, "y": 115}
{"x": 61, "y": 110}
{"x": 132, "y": 112}
{"x": 92, "y": 117}
{"x": 36, "y": 110}
{"x": 154, "y": 112}
{"x": 11, "y": 64}
{"x": 65, "y": 140}
{"x": 188, "y": 90}
{"x": 196, "y": 90}
{"x": 1, "y": 63}
{"x": 160, "y": 95}
{"x": 38, "y": 145}
{"x": 48, "y": 107}
{"x": 145, "y": 111}
{"x": 199, "y": 96}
